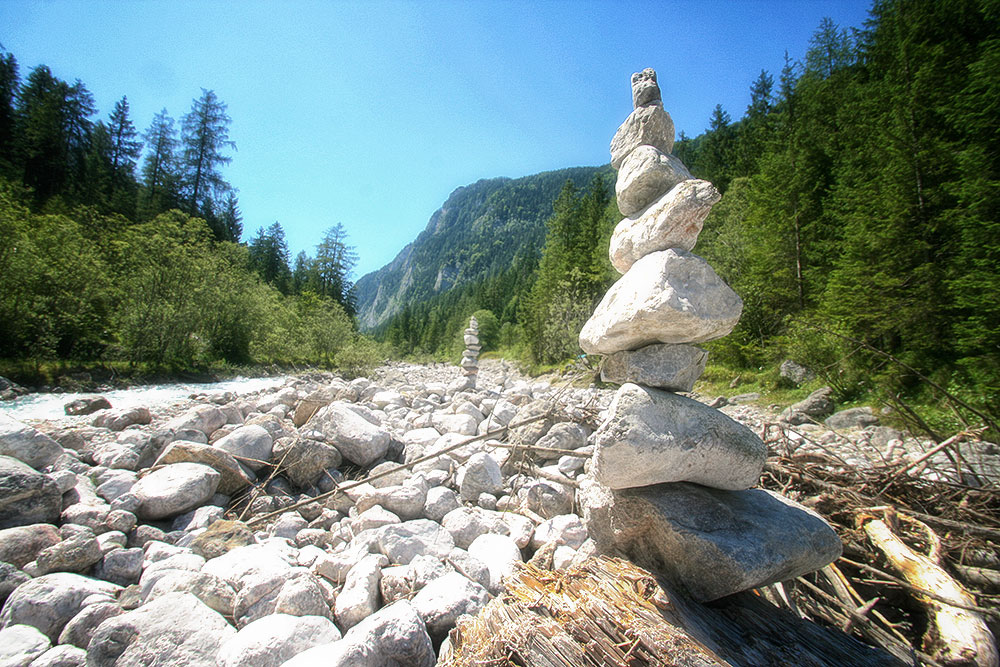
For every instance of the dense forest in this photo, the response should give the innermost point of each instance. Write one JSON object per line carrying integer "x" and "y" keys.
{"x": 860, "y": 220}
{"x": 121, "y": 246}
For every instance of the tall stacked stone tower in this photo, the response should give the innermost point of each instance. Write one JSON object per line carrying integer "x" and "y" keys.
{"x": 671, "y": 477}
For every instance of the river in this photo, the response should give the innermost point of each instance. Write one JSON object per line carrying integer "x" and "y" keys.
{"x": 50, "y": 406}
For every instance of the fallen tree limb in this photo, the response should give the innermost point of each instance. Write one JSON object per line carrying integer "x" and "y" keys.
{"x": 956, "y": 636}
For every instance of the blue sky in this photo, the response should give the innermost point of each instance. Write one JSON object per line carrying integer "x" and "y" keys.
{"x": 371, "y": 113}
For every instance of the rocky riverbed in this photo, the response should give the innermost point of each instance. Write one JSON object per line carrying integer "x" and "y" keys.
{"x": 209, "y": 531}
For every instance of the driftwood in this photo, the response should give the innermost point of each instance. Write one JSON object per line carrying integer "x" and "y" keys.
{"x": 609, "y": 612}
{"x": 957, "y": 635}
{"x": 955, "y": 523}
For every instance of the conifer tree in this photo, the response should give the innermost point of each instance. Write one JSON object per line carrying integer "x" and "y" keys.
{"x": 204, "y": 137}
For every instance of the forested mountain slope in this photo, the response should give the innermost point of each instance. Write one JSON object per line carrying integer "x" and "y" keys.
{"x": 476, "y": 233}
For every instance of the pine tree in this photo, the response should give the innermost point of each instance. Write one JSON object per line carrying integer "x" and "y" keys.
{"x": 125, "y": 150}
{"x": 333, "y": 265}
{"x": 9, "y": 83}
{"x": 269, "y": 257}
{"x": 159, "y": 169}
{"x": 204, "y": 137}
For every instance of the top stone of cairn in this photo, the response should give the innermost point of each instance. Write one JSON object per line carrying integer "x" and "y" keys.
{"x": 645, "y": 90}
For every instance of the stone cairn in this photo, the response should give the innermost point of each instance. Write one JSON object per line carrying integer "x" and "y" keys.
{"x": 470, "y": 358}
{"x": 670, "y": 481}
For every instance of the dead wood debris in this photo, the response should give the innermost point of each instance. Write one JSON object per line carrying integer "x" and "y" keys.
{"x": 921, "y": 560}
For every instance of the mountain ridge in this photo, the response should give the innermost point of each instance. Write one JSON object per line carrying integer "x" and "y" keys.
{"x": 477, "y": 231}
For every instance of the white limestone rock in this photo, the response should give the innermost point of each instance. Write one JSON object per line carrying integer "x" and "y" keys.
{"x": 357, "y": 439}
{"x": 61, "y": 656}
{"x": 653, "y": 436}
{"x": 670, "y": 296}
{"x": 175, "y": 489}
{"x": 360, "y": 596}
{"x": 647, "y": 125}
{"x": 482, "y": 475}
{"x": 402, "y": 542}
{"x": 672, "y": 221}
{"x": 393, "y": 636}
{"x": 711, "y": 542}
{"x": 296, "y": 592}
{"x": 500, "y": 553}
{"x": 27, "y": 444}
{"x": 669, "y": 367}
{"x": 645, "y": 175}
{"x": 176, "y": 629}
{"x": 271, "y": 640}
{"x": 645, "y": 90}
{"x": 48, "y": 602}
{"x": 443, "y": 600}
{"x": 21, "y": 644}
{"x": 250, "y": 445}
{"x": 564, "y": 530}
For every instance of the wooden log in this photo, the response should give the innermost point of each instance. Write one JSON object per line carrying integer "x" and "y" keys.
{"x": 958, "y": 635}
{"x": 609, "y": 612}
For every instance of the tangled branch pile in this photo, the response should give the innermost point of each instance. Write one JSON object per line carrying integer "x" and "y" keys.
{"x": 920, "y": 574}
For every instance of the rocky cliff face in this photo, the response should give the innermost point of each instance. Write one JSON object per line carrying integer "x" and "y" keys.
{"x": 477, "y": 231}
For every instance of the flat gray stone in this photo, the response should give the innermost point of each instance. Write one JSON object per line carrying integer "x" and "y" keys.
{"x": 852, "y": 418}
{"x": 670, "y": 367}
{"x": 670, "y": 296}
{"x": 653, "y": 436}
{"x": 711, "y": 542}
{"x": 645, "y": 176}
{"x": 250, "y": 445}
{"x": 646, "y": 125}
{"x": 672, "y": 221}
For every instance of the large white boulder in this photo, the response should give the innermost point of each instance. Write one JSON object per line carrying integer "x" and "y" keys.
{"x": 670, "y": 296}
{"x": 271, "y": 640}
{"x": 394, "y": 636}
{"x": 175, "y": 489}
{"x": 27, "y": 444}
{"x": 359, "y": 440}
{"x": 49, "y": 601}
{"x": 176, "y": 629}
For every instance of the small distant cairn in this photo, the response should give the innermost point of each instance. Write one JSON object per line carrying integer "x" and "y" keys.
{"x": 470, "y": 358}
{"x": 671, "y": 477}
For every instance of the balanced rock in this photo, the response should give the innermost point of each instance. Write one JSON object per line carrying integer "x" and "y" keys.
{"x": 672, "y": 221}
{"x": 670, "y": 367}
{"x": 644, "y": 176}
{"x": 648, "y": 125}
{"x": 653, "y": 436}
{"x": 645, "y": 90}
{"x": 670, "y": 296}
{"x": 711, "y": 542}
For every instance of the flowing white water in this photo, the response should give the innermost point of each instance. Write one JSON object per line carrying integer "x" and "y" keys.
{"x": 50, "y": 406}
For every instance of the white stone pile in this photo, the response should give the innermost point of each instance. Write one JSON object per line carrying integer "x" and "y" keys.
{"x": 470, "y": 357}
{"x": 671, "y": 477}
{"x": 121, "y": 544}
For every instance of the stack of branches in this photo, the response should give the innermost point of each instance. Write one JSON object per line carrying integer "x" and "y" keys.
{"x": 920, "y": 573}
